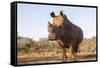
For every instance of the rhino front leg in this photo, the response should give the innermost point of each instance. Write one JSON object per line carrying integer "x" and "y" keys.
{"x": 64, "y": 55}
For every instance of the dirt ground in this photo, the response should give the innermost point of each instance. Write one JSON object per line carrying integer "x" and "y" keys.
{"x": 37, "y": 57}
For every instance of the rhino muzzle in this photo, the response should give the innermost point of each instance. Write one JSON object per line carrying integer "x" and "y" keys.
{"x": 51, "y": 38}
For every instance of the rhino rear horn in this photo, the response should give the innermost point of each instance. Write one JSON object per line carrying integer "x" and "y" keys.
{"x": 52, "y": 14}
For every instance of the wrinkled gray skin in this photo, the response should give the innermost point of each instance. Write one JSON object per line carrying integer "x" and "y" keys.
{"x": 67, "y": 35}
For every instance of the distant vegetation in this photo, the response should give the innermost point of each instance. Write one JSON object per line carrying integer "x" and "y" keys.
{"x": 88, "y": 45}
{"x": 27, "y": 45}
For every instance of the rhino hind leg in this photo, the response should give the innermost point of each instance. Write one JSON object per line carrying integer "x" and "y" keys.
{"x": 74, "y": 51}
{"x": 74, "y": 55}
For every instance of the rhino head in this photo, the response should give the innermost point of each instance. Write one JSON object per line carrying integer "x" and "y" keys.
{"x": 55, "y": 32}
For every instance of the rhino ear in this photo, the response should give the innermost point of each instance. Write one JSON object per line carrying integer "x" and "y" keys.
{"x": 61, "y": 13}
{"x": 52, "y": 14}
{"x": 49, "y": 24}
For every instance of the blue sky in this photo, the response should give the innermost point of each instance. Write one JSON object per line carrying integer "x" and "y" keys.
{"x": 33, "y": 19}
